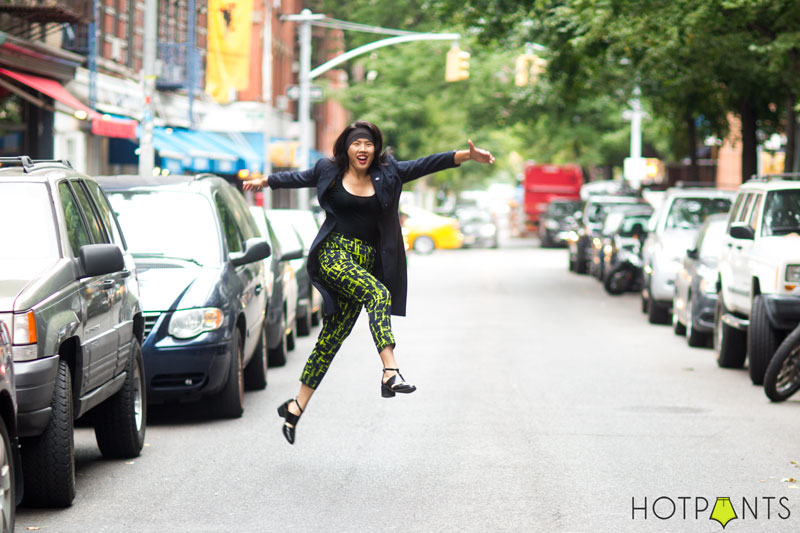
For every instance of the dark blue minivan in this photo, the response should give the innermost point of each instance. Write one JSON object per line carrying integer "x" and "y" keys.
{"x": 198, "y": 257}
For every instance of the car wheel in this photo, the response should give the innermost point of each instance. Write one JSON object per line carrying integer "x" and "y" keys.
{"x": 729, "y": 342}
{"x": 303, "y": 323}
{"x": 644, "y": 302}
{"x": 762, "y": 341}
{"x": 677, "y": 327}
{"x": 657, "y": 312}
{"x": 255, "y": 374}
{"x": 316, "y": 317}
{"x": 230, "y": 401}
{"x": 48, "y": 461}
{"x": 277, "y": 355}
{"x": 120, "y": 421}
{"x": 580, "y": 261}
{"x": 782, "y": 378}
{"x": 290, "y": 340}
{"x": 571, "y": 263}
{"x": 694, "y": 338}
{"x": 8, "y": 481}
{"x": 424, "y": 245}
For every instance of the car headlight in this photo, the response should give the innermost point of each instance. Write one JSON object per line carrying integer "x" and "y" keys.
{"x": 188, "y": 323}
{"x": 793, "y": 273}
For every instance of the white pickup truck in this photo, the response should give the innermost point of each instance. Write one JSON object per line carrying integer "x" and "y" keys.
{"x": 759, "y": 274}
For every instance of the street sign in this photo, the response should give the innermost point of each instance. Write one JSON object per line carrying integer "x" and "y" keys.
{"x": 315, "y": 92}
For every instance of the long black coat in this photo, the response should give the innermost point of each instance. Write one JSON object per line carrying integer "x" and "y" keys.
{"x": 388, "y": 180}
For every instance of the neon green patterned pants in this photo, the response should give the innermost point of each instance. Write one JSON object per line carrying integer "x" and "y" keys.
{"x": 345, "y": 268}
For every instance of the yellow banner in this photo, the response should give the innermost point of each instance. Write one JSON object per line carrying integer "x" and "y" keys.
{"x": 228, "y": 59}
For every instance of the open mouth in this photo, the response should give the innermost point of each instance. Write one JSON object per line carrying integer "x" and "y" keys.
{"x": 362, "y": 159}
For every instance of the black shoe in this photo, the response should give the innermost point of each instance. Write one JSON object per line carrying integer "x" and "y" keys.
{"x": 291, "y": 418}
{"x": 394, "y": 385}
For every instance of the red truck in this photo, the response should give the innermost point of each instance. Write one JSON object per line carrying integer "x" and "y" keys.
{"x": 547, "y": 182}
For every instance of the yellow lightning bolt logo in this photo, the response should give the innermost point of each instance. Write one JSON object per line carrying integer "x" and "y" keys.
{"x": 723, "y": 511}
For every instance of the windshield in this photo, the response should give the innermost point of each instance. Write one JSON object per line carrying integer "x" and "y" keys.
{"x": 781, "y": 213}
{"x": 285, "y": 233}
{"x": 612, "y": 222}
{"x": 712, "y": 239}
{"x": 303, "y": 221}
{"x": 633, "y": 226}
{"x": 562, "y": 209}
{"x": 690, "y": 213}
{"x": 170, "y": 224}
{"x": 29, "y": 240}
{"x": 595, "y": 210}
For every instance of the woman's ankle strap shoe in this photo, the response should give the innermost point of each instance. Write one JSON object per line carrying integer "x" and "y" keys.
{"x": 290, "y": 419}
{"x": 394, "y": 385}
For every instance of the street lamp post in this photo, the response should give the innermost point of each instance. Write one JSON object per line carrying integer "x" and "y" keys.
{"x": 146, "y": 150}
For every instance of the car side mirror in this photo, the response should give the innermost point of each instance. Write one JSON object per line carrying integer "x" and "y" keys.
{"x": 99, "y": 259}
{"x": 742, "y": 231}
{"x": 292, "y": 255}
{"x": 254, "y": 250}
{"x": 692, "y": 253}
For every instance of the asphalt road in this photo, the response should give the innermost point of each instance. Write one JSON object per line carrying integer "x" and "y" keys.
{"x": 543, "y": 405}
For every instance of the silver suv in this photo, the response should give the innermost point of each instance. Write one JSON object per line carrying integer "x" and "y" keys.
{"x": 672, "y": 230}
{"x": 69, "y": 296}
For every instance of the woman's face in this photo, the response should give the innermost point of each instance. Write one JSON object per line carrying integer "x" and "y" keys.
{"x": 360, "y": 154}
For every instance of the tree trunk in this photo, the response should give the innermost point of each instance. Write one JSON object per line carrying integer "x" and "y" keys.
{"x": 791, "y": 133}
{"x": 691, "y": 137}
{"x": 749, "y": 141}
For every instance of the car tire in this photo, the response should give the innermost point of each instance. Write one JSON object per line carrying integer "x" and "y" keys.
{"x": 316, "y": 317}
{"x": 694, "y": 338}
{"x": 8, "y": 482}
{"x": 303, "y": 323}
{"x": 121, "y": 421}
{"x": 230, "y": 400}
{"x": 762, "y": 341}
{"x": 580, "y": 262}
{"x": 572, "y": 262}
{"x": 677, "y": 327}
{"x": 782, "y": 378}
{"x": 424, "y": 245}
{"x": 657, "y": 312}
{"x": 291, "y": 340}
{"x": 277, "y": 355}
{"x": 48, "y": 461}
{"x": 644, "y": 302}
{"x": 255, "y": 373}
{"x": 729, "y": 342}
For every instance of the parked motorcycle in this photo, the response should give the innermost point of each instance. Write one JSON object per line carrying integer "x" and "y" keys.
{"x": 783, "y": 373}
{"x": 626, "y": 275}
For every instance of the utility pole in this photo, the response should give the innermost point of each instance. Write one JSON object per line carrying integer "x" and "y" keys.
{"x": 304, "y": 101}
{"x": 266, "y": 96}
{"x": 146, "y": 150}
{"x": 635, "y": 168}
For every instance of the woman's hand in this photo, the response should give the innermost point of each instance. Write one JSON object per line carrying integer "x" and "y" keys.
{"x": 478, "y": 155}
{"x": 256, "y": 184}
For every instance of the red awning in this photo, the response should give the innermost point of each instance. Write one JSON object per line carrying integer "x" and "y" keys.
{"x": 101, "y": 124}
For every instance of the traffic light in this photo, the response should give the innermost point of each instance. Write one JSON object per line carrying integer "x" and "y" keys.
{"x": 457, "y": 68}
{"x": 528, "y": 69}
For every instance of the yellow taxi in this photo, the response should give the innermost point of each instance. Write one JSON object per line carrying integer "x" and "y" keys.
{"x": 427, "y": 231}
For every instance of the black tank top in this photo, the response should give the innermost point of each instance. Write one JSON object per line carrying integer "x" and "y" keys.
{"x": 356, "y": 216}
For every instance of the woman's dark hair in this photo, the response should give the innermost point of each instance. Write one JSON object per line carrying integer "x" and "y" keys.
{"x": 340, "y": 148}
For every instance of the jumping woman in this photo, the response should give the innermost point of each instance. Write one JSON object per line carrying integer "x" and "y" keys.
{"x": 358, "y": 258}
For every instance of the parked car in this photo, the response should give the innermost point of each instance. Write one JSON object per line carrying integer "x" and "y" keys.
{"x": 68, "y": 292}
{"x": 309, "y": 299}
{"x": 282, "y": 311}
{"x": 613, "y": 217}
{"x": 759, "y": 274}
{"x": 557, "y": 221}
{"x": 10, "y": 461}
{"x": 696, "y": 284}
{"x": 673, "y": 229}
{"x": 478, "y": 227}
{"x": 198, "y": 253}
{"x": 428, "y": 231}
{"x": 580, "y": 240}
{"x": 624, "y": 229}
